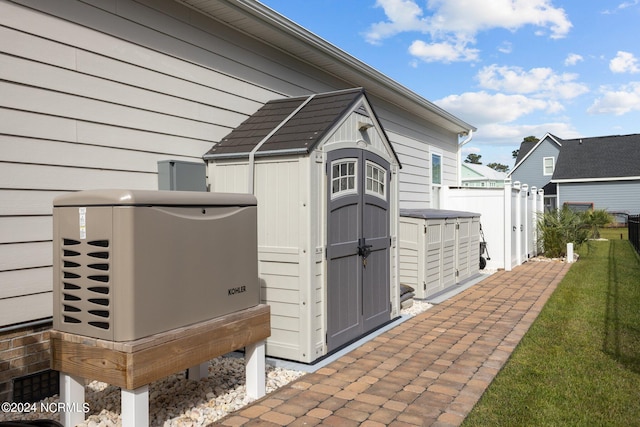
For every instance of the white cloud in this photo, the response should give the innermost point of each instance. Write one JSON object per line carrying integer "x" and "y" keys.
{"x": 466, "y": 150}
{"x": 453, "y": 24}
{"x": 573, "y": 59}
{"x": 505, "y": 47}
{"x": 542, "y": 82}
{"x": 482, "y": 108}
{"x": 624, "y": 100}
{"x": 403, "y": 15}
{"x": 463, "y": 16}
{"x": 442, "y": 52}
{"x": 624, "y": 62}
{"x": 508, "y": 134}
{"x": 621, "y": 6}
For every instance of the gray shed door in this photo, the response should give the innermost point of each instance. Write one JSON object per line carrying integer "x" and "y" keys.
{"x": 358, "y": 248}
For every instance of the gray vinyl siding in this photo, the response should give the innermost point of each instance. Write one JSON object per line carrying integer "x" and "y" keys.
{"x": 611, "y": 195}
{"x": 94, "y": 93}
{"x": 531, "y": 171}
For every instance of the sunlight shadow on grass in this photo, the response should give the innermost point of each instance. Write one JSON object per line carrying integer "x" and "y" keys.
{"x": 622, "y": 334}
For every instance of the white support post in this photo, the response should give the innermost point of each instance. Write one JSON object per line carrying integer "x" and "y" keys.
{"x": 569, "y": 253}
{"x": 539, "y": 212}
{"x": 72, "y": 395}
{"x": 135, "y": 407}
{"x": 508, "y": 223}
{"x": 254, "y": 356}
{"x": 524, "y": 224}
{"x": 199, "y": 372}
{"x": 518, "y": 223}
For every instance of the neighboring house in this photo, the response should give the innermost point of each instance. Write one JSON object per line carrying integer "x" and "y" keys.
{"x": 474, "y": 175}
{"x": 94, "y": 94}
{"x": 535, "y": 164}
{"x": 598, "y": 172}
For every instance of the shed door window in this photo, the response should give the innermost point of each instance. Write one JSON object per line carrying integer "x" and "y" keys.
{"x": 376, "y": 179}
{"x": 548, "y": 165}
{"x": 343, "y": 177}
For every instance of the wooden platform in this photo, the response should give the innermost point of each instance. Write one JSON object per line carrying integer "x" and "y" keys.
{"x": 132, "y": 364}
{"x": 135, "y": 364}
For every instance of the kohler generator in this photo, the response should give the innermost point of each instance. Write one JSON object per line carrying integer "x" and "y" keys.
{"x": 128, "y": 264}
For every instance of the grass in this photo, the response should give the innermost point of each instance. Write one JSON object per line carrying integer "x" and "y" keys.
{"x": 579, "y": 364}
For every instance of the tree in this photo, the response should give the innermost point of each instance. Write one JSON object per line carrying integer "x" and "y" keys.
{"x": 529, "y": 138}
{"x": 473, "y": 158}
{"x": 499, "y": 167}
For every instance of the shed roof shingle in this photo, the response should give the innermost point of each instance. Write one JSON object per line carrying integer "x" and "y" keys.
{"x": 314, "y": 116}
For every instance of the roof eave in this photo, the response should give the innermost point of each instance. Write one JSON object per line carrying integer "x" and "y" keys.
{"x": 604, "y": 179}
{"x": 289, "y": 37}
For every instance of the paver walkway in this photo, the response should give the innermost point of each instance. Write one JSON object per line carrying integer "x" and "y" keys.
{"x": 427, "y": 371}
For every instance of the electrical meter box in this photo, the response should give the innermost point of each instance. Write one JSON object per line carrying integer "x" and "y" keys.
{"x": 132, "y": 263}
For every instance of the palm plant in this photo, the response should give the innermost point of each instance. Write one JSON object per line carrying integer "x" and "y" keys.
{"x": 597, "y": 219}
{"x": 557, "y": 228}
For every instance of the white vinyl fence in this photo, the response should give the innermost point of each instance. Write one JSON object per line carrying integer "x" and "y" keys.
{"x": 508, "y": 219}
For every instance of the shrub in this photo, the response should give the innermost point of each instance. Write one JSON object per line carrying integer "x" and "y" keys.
{"x": 559, "y": 227}
{"x": 597, "y": 219}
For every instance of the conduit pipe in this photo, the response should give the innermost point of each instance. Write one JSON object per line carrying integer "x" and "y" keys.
{"x": 460, "y": 145}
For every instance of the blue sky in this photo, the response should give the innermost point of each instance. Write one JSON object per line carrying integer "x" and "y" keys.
{"x": 512, "y": 68}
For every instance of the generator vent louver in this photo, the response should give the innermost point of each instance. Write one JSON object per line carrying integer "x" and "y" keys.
{"x": 86, "y": 289}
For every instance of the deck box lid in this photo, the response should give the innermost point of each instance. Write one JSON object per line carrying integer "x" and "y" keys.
{"x": 436, "y": 213}
{"x": 119, "y": 197}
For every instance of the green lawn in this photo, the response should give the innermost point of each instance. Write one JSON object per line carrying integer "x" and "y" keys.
{"x": 579, "y": 364}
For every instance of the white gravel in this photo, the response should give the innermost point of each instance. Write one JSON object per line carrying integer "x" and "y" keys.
{"x": 176, "y": 401}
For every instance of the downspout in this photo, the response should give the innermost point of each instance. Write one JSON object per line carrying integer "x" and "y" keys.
{"x": 252, "y": 154}
{"x": 469, "y": 138}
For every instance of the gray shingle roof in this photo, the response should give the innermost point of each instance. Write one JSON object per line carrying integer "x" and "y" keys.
{"x": 300, "y": 133}
{"x": 615, "y": 156}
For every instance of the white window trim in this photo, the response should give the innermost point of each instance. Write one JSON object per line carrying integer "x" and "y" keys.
{"x": 349, "y": 191}
{"x": 382, "y": 170}
{"x": 544, "y": 165}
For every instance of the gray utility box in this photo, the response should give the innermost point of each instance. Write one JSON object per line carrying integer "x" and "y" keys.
{"x": 177, "y": 175}
{"x": 129, "y": 264}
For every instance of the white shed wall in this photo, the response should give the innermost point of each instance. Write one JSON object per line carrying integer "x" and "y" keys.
{"x": 287, "y": 267}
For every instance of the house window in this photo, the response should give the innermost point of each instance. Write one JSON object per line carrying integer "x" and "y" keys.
{"x": 436, "y": 180}
{"x": 548, "y": 165}
{"x": 343, "y": 177}
{"x": 436, "y": 169}
{"x": 376, "y": 179}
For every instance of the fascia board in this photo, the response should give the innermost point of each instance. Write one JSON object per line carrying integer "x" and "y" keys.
{"x": 610, "y": 179}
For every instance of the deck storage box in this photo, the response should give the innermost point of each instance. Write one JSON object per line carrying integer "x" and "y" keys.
{"x": 438, "y": 249}
{"x": 131, "y": 263}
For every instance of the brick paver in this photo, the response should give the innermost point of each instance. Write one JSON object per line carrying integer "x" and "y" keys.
{"x": 429, "y": 370}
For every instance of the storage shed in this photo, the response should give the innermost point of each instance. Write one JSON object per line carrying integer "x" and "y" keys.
{"x": 325, "y": 176}
{"x": 438, "y": 249}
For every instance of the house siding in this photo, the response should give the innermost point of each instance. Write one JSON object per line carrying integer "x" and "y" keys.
{"x": 81, "y": 109}
{"x": 531, "y": 170}
{"x": 94, "y": 93}
{"x": 612, "y": 196}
